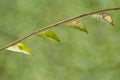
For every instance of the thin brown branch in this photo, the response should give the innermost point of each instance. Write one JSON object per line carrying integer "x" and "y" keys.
{"x": 55, "y": 25}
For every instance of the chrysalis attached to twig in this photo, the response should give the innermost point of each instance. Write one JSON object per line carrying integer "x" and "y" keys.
{"x": 104, "y": 17}
{"x": 20, "y": 47}
{"x": 50, "y": 35}
{"x": 77, "y": 24}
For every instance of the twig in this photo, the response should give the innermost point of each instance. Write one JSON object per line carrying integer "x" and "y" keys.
{"x": 55, "y": 25}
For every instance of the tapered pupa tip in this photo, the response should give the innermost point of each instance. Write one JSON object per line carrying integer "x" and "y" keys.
{"x": 113, "y": 24}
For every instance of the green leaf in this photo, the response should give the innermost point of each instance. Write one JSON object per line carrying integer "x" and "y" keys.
{"x": 105, "y": 17}
{"x": 20, "y": 47}
{"x": 77, "y": 25}
{"x": 50, "y": 35}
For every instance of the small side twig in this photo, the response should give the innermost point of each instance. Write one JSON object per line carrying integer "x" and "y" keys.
{"x": 55, "y": 25}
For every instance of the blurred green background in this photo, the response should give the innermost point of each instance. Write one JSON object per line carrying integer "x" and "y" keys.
{"x": 93, "y": 56}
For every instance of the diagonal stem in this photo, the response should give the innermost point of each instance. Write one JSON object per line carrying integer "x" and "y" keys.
{"x": 55, "y": 25}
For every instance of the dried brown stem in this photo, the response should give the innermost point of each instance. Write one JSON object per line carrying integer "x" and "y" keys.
{"x": 55, "y": 25}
